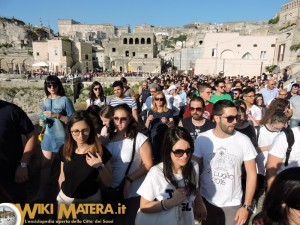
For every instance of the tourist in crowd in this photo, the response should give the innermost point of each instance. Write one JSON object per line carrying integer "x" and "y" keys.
{"x": 220, "y": 92}
{"x": 254, "y": 113}
{"x": 175, "y": 181}
{"x": 121, "y": 148}
{"x": 294, "y": 90}
{"x": 205, "y": 92}
{"x": 94, "y": 113}
{"x": 128, "y": 91}
{"x": 96, "y": 95}
{"x": 237, "y": 94}
{"x": 295, "y": 108}
{"x": 196, "y": 123}
{"x": 57, "y": 108}
{"x": 120, "y": 98}
{"x": 269, "y": 92}
{"x": 14, "y": 156}
{"x": 282, "y": 202}
{"x": 106, "y": 115}
{"x": 84, "y": 163}
{"x": 259, "y": 102}
{"x": 160, "y": 117}
{"x": 175, "y": 102}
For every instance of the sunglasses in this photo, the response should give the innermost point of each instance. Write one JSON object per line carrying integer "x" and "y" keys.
{"x": 120, "y": 119}
{"x": 198, "y": 109}
{"x": 49, "y": 85}
{"x": 159, "y": 99}
{"x": 230, "y": 119}
{"x": 180, "y": 152}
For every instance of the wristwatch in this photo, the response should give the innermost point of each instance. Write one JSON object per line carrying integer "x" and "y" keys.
{"x": 248, "y": 207}
{"x": 100, "y": 166}
{"x": 23, "y": 164}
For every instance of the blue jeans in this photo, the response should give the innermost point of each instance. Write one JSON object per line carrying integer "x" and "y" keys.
{"x": 294, "y": 123}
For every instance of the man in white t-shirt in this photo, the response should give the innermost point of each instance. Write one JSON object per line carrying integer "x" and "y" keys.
{"x": 253, "y": 111}
{"x": 221, "y": 152}
{"x": 277, "y": 155}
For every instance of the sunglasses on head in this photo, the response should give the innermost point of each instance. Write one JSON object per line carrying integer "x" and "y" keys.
{"x": 49, "y": 85}
{"x": 198, "y": 109}
{"x": 180, "y": 152}
{"x": 230, "y": 119}
{"x": 120, "y": 119}
{"x": 159, "y": 99}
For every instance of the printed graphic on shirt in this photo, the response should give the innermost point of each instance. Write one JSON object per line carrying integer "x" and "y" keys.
{"x": 185, "y": 206}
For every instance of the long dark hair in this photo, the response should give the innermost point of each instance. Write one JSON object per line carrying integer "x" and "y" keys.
{"x": 132, "y": 128}
{"x": 283, "y": 195}
{"x": 92, "y": 94}
{"x": 71, "y": 145}
{"x": 275, "y": 105}
{"x": 172, "y": 136}
{"x": 54, "y": 79}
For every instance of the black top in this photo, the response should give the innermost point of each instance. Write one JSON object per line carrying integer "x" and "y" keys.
{"x": 80, "y": 178}
{"x": 13, "y": 123}
{"x": 250, "y": 132}
{"x": 156, "y": 125}
{"x": 196, "y": 130}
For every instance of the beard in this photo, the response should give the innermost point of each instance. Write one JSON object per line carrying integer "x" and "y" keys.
{"x": 197, "y": 116}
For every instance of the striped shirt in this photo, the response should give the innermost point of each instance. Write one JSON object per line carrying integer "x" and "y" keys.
{"x": 127, "y": 100}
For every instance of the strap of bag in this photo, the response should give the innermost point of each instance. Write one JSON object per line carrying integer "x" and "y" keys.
{"x": 132, "y": 156}
{"x": 290, "y": 140}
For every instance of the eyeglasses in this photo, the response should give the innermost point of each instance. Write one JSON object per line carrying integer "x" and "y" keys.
{"x": 82, "y": 132}
{"x": 230, "y": 119}
{"x": 221, "y": 86}
{"x": 159, "y": 99}
{"x": 180, "y": 152}
{"x": 120, "y": 119}
{"x": 198, "y": 109}
{"x": 97, "y": 89}
{"x": 49, "y": 85}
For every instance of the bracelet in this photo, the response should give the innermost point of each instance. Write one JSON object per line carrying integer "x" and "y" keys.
{"x": 100, "y": 166}
{"x": 128, "y": 178}
{"x": 248, "y": 208}
{"x": 162, "y": 202}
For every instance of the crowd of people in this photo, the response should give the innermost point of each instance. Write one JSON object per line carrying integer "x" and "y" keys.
{"x": 209, "y": 147}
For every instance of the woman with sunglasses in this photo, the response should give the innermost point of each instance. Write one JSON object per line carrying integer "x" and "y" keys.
{"x": 121, "y": 148}
{"x": 174, "y": 181}
{"x": 160, "y": 117}
{"x": 84, "y": 163}
{"x": 96, "y": 95}
{"x": 57, "y": 108}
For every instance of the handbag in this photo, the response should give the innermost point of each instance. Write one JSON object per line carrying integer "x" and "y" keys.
{"x": 41, "y": 135}
{"x": 171, "y": 216}
{"x": 115, "y": 195}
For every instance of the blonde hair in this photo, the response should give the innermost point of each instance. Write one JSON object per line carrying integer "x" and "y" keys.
{"x": 154, "y": 107}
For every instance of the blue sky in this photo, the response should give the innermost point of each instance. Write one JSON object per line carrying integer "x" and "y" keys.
{"x": 133, "y": 12}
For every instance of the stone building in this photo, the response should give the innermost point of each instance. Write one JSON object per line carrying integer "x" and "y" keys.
{"x": 64, "y": 55}
{"x": 132, "y": 52}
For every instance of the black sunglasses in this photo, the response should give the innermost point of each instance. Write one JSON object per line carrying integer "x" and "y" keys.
{"x": 159, "y": 99}
{"x": 180, "y": 152}
{"x": 198, "y": 109}
{"x": 230, "y": 119}
{"x": 49, "y": 85}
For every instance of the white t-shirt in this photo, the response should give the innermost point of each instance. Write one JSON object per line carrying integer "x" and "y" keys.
{"x": 279, "y": 148}
{"x": 96, "y": 102}
{"x": 256, "y": 112}
{"x": 222, "y": 163}
{"x": 121, "y": 155}
{"x": 155, "y": 186}
{"x": 265, "y": 138}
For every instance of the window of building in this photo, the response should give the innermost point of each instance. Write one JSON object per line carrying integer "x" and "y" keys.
{"x": 214, "y": 52}
{"x": 148, "y": 41}
{"x": 139, "y": 68}
{"x": 263, "y": 54}
{"x": 37, "y": 53}
{"x": 86, "y": 64}
{"x": 130, "y": 41}
{"x": 121, "y": 68}
{"x": 200, "y": 42}
{"x": 55, "y": 52}
{"x": 137, "y": 41}
{"x": 247, "y": 56}
{"x": 281, "y": 51}
{"x": 127, "y": 53}
{"x": 125, "y": 41}
{"x": 112, "y": 63}
{"x": 145, "y": 56}
{"x": 143, "y": 41}
{"x": 113, "y": 50}
{"x": 272, "y": 45}
{"x": 238, "y": 45}
{"x": 255, "y": 45}
{"x": 133, "y": 54}
{"x": 86, "y": 56}
{"x": 65, "y": 53}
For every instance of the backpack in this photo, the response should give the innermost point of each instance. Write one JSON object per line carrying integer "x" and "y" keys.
{"x": 290, "y": 140}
